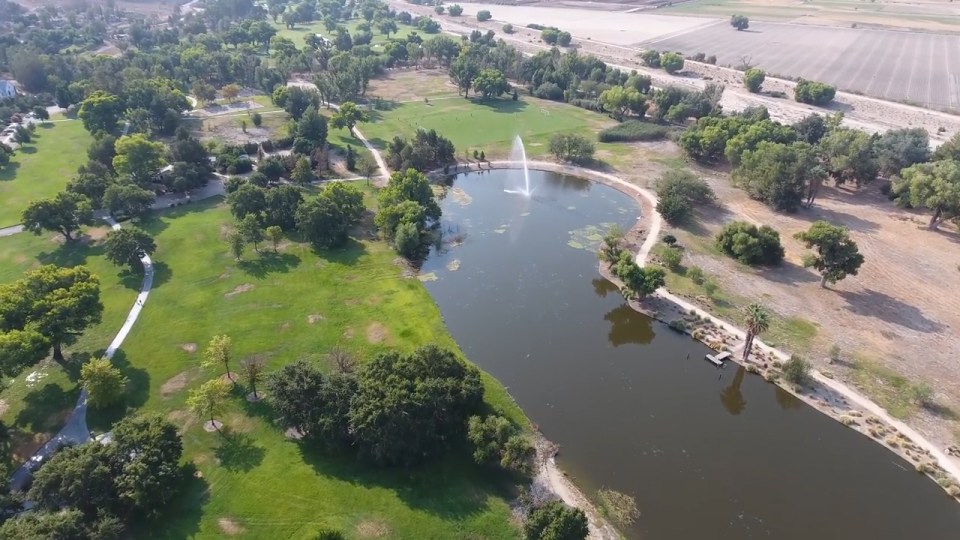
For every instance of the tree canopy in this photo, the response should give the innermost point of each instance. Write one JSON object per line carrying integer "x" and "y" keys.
{"x": 934, "y": 187}
{"x": 65, "y": 214}
{"x": 836, "y": 256}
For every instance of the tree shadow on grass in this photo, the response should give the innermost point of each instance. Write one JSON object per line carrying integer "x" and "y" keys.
{"x": 237, "y": 451}
{"x": 45, "y": 409}
{"x": 136, "y": 394}
{"x": 501, "y": 105}
{"x": 268, "y": 263}
{"x": 27, "y": 149}
{"x": 9, "y": 171}
{"x": 349, "y": 254}
{"x": 871, "y": 303}
{"x": 70, "y": 254}
{"x": 453, "y": 487}
{"x": 181, "y": 519}
{"x": 787, "y": 273}
{"x": 134, "y": 280}
{"x": 850, "y": 221}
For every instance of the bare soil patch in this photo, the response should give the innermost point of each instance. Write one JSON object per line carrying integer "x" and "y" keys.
{"x": 189, "y": 347}
{"x": 246, "y": 287}
{"x": 372, "y": 528}
{"x": 377, "y": 333}
{"x": 230, "y": 527}
{"x": 314, "y": 318}
{"x": 412, "y": 85}
{"x": 175, "y": 384}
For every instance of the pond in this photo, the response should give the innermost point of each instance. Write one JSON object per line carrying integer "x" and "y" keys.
{"x": 706, "y": 453}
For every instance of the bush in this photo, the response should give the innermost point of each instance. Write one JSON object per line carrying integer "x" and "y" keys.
{"x": 813, "y": 92}
{"x": 257, "y": 119}
{"x": 484, "y": 15}
{"x": 672, "y": 258}
{"x": 674, "y": 208}
{"x": 589, "y": 104}
{"x": 753, "y": 79}
{"x": 280, "y": 143}
{"x": 686, "y": 184}
{"x": 508, "y": 28}
{"x": 695, "y": 273}
{"x": 633, "y": 130}
{"x": 796, "y": 370}
{"x": 672, "y": 62}
{"x": 455, "y": 10}
{"x": 549, "y": 90}
{"x": 651, "y": 58}
{"x": 750, "y": 245}
{"x": 573, "y": 148}
{"x": 669, "y": 239}
{"x": 556, "y": 520}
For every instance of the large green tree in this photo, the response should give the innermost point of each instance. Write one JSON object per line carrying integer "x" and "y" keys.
{"x": 65, "y": 214}
{"x": 58, "y": 303}
{"x": 127, "y": 246}
{"x": 315, "y": 404}
{"x": 100, "y": 112}
{"x": 326, "y": 219}
{"x": 556, "y": 521}
{"x": 138, "y": 158}
{"x": 104, "y": 383}
{"x": 898, "y": 149}
{"x": 410, "y": 407}
{"x": 490, "y": 83}
{"x": 127, "y": 199}
{"x": 778, "y": 174}
{"x": 348, "y": 116}
{"x": 849, "y": 156}
{"x": 836, "y": 256}
{"x": 623, "y": 101}
{"x": 932, "y": 186}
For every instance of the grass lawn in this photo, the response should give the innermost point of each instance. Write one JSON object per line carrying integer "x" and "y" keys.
{"x": 489, "y": 126}
{"x": 34, "y": 410}
{"x": 282, "y": 307}
{"x": 42, "y": 167}
{"x": 300, "y": 31}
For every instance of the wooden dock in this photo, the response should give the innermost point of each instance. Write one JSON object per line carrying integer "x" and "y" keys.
{"x": 718, "y": 359}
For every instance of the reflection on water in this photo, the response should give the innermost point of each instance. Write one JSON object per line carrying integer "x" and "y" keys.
{"x": 633, "y": 405}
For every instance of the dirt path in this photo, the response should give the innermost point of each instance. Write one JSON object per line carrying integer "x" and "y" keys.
{"x": 860, "y": 112}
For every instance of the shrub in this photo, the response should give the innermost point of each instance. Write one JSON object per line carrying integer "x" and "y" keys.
{"x": 632, "y": 130}
{"x": 651, "y": 58}
{"x": 921, "y": 394}
{"x": 753, "y": 79}
{"x": 710, "y": 287}
{"x": 484, "y": 15}
{"x": 455, "y": 10}
{"x": 750, "y": 245}
{"x": 686, "y": 184}
{"x": 695, "y": 273}
{"x": 257, "y": 119}
{"x": 669, "y": 239}
{"x": 672, "y": 62}
{"x": 740, "y": 22}
{"x": 619, "y": 507}
{"x": 672, "y": 258}
{"x": 549, "y": 90}
{"x": 573, "y": 148}
{"x": 796, "y": 370}
{"x": 508, "y": 28}
{"x": 589, "y": 104}
{"x": 674, "y": 208}
{"x": 813, "y": 92}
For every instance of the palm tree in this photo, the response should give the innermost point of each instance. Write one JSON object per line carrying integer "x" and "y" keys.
{"x": 757, "y": 322}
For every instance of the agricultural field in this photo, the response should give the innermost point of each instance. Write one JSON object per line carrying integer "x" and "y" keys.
{"x": 917, "y": 68}
{"x": 42, "y": 167}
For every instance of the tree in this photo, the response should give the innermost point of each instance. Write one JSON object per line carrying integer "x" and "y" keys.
{"x": 21, "y": 348}
{"x": 218, "y": 353}
{"x": 237, "y": 244}
{"x": 127, "y": 199}
{"x": 272, "y": 167}
{"x": 439, "y": 10}
{"x": 573, "y": 148}
{"x": 556, "y": 521}
{"x": 387, "y": 27}
{"x": 282, "y": 204}
{"x": 205, "y": 93}
{"x": 686, "y": 185}
{"x": 302, "y": 172}
{"x": 100, "y": 111}
{"x": 455, "y": 10}
{"x": 671, "y": 62}
{"x": 312, "y": 127}
{"x": 316, "y": 405}
{"x": 138, "y": 157}
{"x": 849, "y": 157}
{"x": 740, "y": 22}
{"x": 103, "y": 382}
{"x": 484, "y": 15}
{"x": 348, "y": 116}
{"x": 836, "y": 256}
{"x": 326, "y": 219}
{"x": 274, "y": 235}
{"x": 637, "y": 282}
{"x": 489, "y": 436}
{"x": 933, "y": 186}
{"x": 757, "y": 321}
{"x": 65, "y": 214}
{"x": 749, "y": 244}
{"x": 507, "y": 28}
{"x": 252, "y": 371}
{"x": 102, "y": 149}
{"x": 207, "y": 401}
{"x": 651, "y": 58}
{"x": 490, "y": 83}
{"x": 127, "y": 246}
{"x": 430, "y": 392}
{"x": 898, "y": 149}
{"x": 564, "y": 38}
{"x": 811, "y": 128}
{"x": 753, "y": 79}
{"x": 58, "y": 303}
{"x": 796, "y": 370}
{"x": 40, "y": 525}
{"x": 813, "y": 92}
{"x": 230, "y": 92}
{"x": 622, "y": 101}
{"x": 778, "y": 174}
{"x": 251, "y": 231}
{"x": 247, "y": 199}
{"x": 674, "y": 208}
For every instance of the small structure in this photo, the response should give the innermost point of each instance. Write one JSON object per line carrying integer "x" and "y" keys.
{"x": 718, "y": 359}
{"x": 7, "y": 89}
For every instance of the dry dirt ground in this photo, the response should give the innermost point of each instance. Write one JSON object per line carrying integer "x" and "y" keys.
{"x": 861, "y": 112}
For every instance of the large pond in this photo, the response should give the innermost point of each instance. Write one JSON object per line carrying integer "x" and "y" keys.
{"x": 707, "y": 454}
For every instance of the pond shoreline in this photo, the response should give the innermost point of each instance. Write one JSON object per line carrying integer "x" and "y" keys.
{"x": 820, "y": 391}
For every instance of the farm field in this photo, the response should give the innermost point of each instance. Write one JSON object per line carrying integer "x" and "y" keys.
{"x": 42, "y": 167}
{"x": 295, "y": 304}
{"x": 917, "y": 68}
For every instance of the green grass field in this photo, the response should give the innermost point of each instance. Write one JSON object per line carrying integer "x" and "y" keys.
{"x": 42, "y": 167}
{"x": 283, "y": 307}
{"x": 300, "y": 31}
{"x": 34, "y": 410}
{"x": 486, "y": 125}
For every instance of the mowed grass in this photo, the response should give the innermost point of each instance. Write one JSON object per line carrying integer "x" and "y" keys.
{"x": 486, "y": 125}
{"x": 34, "y": 410}
{"x": 281, "y": 307}
{"x": 42, "y": 167}
{"x": 298, "y": 33}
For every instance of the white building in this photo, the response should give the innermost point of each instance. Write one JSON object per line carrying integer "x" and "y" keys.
{"x": 7, "y": 89}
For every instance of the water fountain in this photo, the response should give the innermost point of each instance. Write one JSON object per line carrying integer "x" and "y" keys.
{"x": 519, "y": 153}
